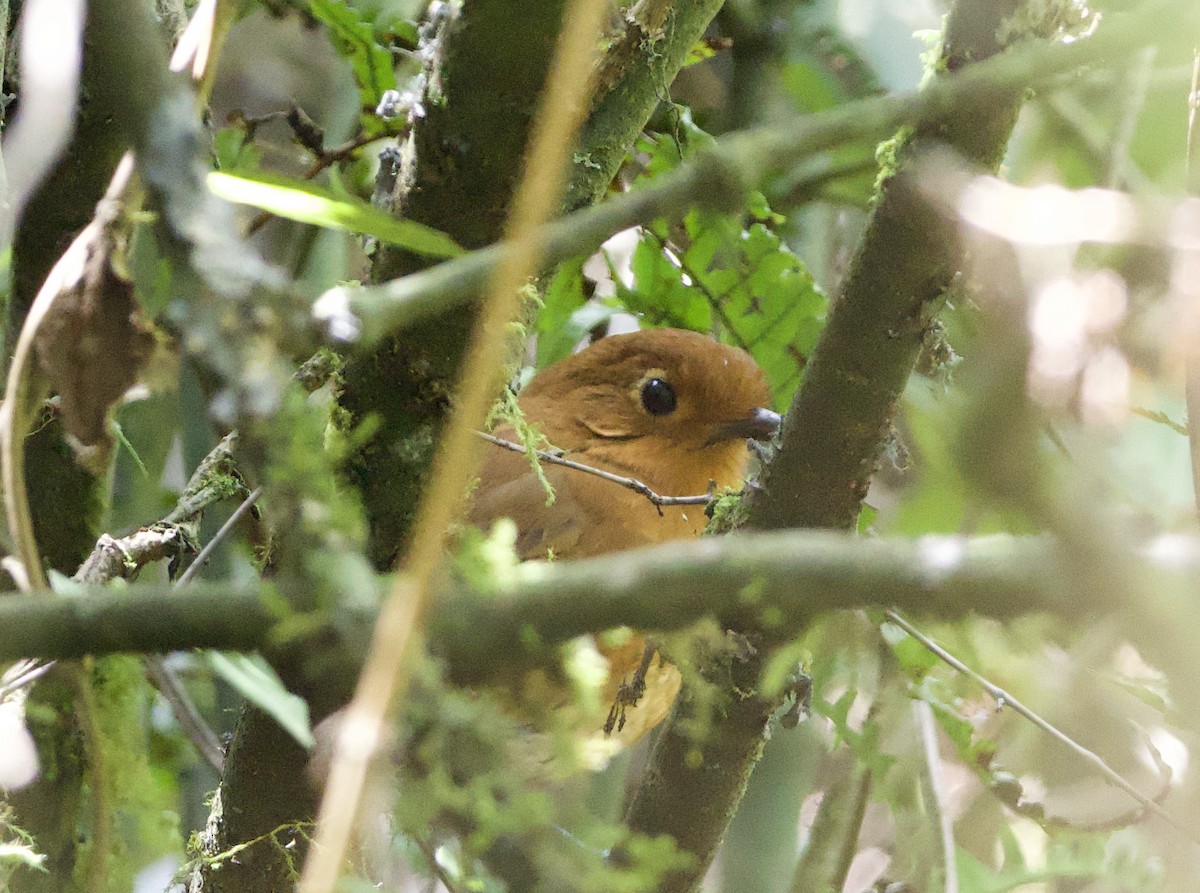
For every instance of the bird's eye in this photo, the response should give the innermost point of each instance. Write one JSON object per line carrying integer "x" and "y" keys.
{"x": 658, "y": 397}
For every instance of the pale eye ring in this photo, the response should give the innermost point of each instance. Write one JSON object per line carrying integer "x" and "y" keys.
{"x": 658, "y": 397}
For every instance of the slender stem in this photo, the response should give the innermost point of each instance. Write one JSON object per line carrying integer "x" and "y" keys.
{"x": 931, "y": 790}
{"x": 1192, "y": 360}
{"x": 194, "y": 568}
{"x": 203, "y": 738}
{"x": 552, "y": 458}
{"x": 23, "y": 673}
{"x": 1004, "y": 699}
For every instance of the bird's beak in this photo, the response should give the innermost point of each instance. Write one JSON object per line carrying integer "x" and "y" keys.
{"x": 760, "y": 425}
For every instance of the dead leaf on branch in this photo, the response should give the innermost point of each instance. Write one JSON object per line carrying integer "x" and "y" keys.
{"x": 93, "y": 341}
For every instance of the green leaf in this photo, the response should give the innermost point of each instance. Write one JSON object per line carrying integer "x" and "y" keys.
{"x": 659, "y": 294}
{"x": 306, "y": 202}
{"x": 559, "y": 324}
{"x": 354, "y": 38}
{"x": 866, "y": 518}
{"x": 122, "y": 440}
{"x": 701, "y": 50}
{"x": 741, "y": 280}
{"x": 254, "y": 679}
{"x": 233, "y": 153}
{"x": 915, "y": 659}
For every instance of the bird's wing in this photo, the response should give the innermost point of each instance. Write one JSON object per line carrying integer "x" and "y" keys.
{"x": 508, "y": 488}
{"x": 588, "y": 516}
{"x": 541, "y": 529}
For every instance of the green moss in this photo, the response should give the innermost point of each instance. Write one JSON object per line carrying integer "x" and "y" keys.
{"x": 65, "y": 500}
{"x": 486, "y": 560}
{"x": 481, "y": 786}
{"x": 507, "y": 410}
{"x": 726, "y": 513}
{"x": 703, "y": 654}
{"x": 322, "y": 368}
{"x": 933, "y": 60}
{"x": 888, "y": 155}
{"x": 18, "y": 849}
{"x": 938, "y": 357}
{"x": 140, "y": 803}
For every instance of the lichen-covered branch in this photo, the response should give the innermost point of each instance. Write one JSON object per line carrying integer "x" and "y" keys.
{"x": 647, "y": 51}
{"x": 214, "y": 480}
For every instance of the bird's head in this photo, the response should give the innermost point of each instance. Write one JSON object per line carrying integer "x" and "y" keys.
{"x": 664, "y": 405}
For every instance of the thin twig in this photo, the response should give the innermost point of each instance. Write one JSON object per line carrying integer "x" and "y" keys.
{"x": 1191, "y": 385}
{"x": 1193, "y": 131}
{"x": 1161, "y": 417}
{"x": 1004, "y": 699}
{"x": 935, "y": 806}
{"x": 203, "y": 738}
{"x": 1135, "y": 87}
{"x": 807, "y": 184}
{"x": 556, "y": 458}
{"x": 238, "y": 513}
{"x": 21, "y": 674}
{"x": 697, "y": 277}
{"x": 324, "y": 160}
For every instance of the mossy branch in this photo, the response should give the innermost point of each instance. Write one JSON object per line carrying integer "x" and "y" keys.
{"x": 779, "y": 580}
{"x": 647, "y": 51}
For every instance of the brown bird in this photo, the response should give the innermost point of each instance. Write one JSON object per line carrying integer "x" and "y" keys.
{"x": 670, "y": 408}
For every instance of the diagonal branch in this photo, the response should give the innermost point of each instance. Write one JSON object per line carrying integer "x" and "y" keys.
{"x": 717, "y": 177}
{"x": 1004, "y": 699}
